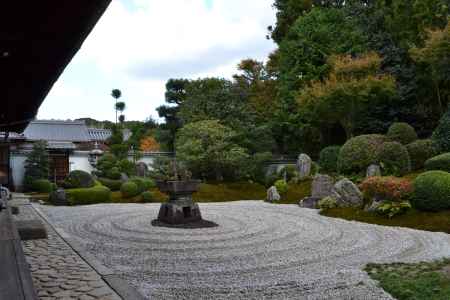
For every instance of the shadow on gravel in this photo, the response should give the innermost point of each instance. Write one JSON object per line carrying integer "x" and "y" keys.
{"x": 192, "y": 225}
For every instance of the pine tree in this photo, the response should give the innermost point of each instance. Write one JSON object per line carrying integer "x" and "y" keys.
{"x": 36, "y": 164}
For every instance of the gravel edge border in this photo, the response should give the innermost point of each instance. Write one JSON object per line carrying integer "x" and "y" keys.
{"x": 114, "y": 281}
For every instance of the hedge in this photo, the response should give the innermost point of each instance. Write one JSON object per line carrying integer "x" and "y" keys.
{"x": 147, "y": 197}
{"x": 359, "y": 153}
{"x": 432, "y": 191}
{"x": 79, "y": 179}
{"x": 129, "y": 189}
{"x": 402, "y": 133}
{"x": 97, "y": 194}
{"x": 419, "y": 152}
{"x": 42, "y": 186}
{"x": 394, "y": 158}
{"x": 440, "y": 162}
{"x": 328, "y": 158}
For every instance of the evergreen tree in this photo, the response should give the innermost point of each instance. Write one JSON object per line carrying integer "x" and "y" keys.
{"x": 36, "y": 164}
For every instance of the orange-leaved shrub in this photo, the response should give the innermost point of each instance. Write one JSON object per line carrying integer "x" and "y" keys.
{"x": 387, "y": 188}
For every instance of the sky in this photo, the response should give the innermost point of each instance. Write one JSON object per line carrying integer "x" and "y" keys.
{"x": 139, "y": 44}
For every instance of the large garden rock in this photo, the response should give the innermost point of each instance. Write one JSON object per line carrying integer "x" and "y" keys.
{"x": 273, "y": 195}
{"x": 347, "y": 193}
{"x": 309, "y": 202}
{"x": 322, "y": 186}
{"x": 124, "y": 177}
{"x": 304, "y": 164}
{"x": 59, "y": 197}
{"x": 373, "y": 171}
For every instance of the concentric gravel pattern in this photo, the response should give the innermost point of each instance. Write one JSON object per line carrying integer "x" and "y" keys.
{"x": 259, "y": 251}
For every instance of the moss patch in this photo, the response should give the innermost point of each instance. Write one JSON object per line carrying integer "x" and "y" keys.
{"x": 413, "y": 281}
{"x": 429, "y": 221}
{"x": 223, "y": 192}
{"x": 296, "y": 192}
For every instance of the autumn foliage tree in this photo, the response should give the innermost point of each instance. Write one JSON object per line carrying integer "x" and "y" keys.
{"x": 149, "y": 144}
{"x": 352, "y": 88}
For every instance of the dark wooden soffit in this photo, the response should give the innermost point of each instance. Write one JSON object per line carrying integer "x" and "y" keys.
{"x": 38, "y": 39}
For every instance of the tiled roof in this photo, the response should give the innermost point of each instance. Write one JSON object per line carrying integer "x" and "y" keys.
{"x": 99, "y": 135}
{"x": 69, "y": 131}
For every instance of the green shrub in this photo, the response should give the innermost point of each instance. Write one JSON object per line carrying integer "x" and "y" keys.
{"x": 147, "y": 197}
{"x": 419, "y": 152}
{"x": 148, "y": 184}
{"x": 432, "y": 191}
{"x": 113, "y": 173}
{"x": 113, "y": 185}
{"x": 360, "y": 152}
{"x": 327, "y": 203}
{"x": 328, "y": 158}
{"x": 392, "y": 208}
{"x": 42, "y": 186}
{"x": 281, "y": 186}
{"x": 440, "y": 162}
{"x": 402, "y": 133}
{"x": 441, "y": 135}
{"x": 140, "y": 184}
{"x": 97, "y": 194}
{"x": 394, "y": 159}
{"x": 78, "y": 179}
{"x": 129, "y": 189}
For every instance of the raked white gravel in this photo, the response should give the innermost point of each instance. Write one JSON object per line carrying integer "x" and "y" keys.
{"x": 259, "y": 251}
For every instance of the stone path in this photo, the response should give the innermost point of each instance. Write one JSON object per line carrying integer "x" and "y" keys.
{"x": 58, "y": 272}
{"x": 259, "y": 251}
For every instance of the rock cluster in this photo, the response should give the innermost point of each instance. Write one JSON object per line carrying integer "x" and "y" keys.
{"x": 344, "y": 191}
{"x": 273, "y": 195}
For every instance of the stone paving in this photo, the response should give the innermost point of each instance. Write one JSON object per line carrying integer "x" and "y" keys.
{"x": 259, "y": 251}
{"x": 58, "y": 272}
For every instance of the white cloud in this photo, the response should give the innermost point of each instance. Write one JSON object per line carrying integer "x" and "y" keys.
{"x": 139, "y": 44}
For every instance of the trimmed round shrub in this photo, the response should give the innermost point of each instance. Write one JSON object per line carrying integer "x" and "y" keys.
{"x": 113, "y": 173}
{"x": 113, "y": 185}
{"x": 78, "y": 179}
{"x": 42, "y": 186}
{"x": 419, "y": 152}
{"x": 328, "y": 158}
{"x": 432, "y": 191}
{"x": 129, "y": 189}
{"x": 440, "y": 162}
{"x": 148, "y": 183}
{"x": 94, "y": 195}
{"x": 140, "y": 184}
{"x": 441, "y": 135}
{"x": 147, "y": 197}
{"x": 394, "y": 159}
{"x": 360, "y": 152}
{"x": 402, "y": 133}
{"x": 281, "y": 186}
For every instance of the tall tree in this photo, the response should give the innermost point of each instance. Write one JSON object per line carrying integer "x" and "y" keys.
{"x": 116, "y": 94}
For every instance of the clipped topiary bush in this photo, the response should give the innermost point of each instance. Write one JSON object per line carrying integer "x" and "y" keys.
{"x": 402, "y": 133}
{"x": 441, "y": 135}
{"x": 147, "y": 197}
{"x": 440, "y": 162}
{"x": 113, "y": 185}
{"x": 42, "y": 186}
{"x": 432, "y": 191}
{"x": 148, "y": 183}
{"x": 140, "y": 184}
{"x": 394, "y": 159}
{"x": 129, "y": 189}
{"x": 328, "y": 158}
{"x": 360, "y": 152}
{"x": 419, "y": 152}
{"x": 94, "y": 195}
{"x": 78, "y": 179}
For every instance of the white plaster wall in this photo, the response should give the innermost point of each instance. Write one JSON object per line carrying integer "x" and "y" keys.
{"x": 17, "y": 165}
{"x": 79, "y": 160}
